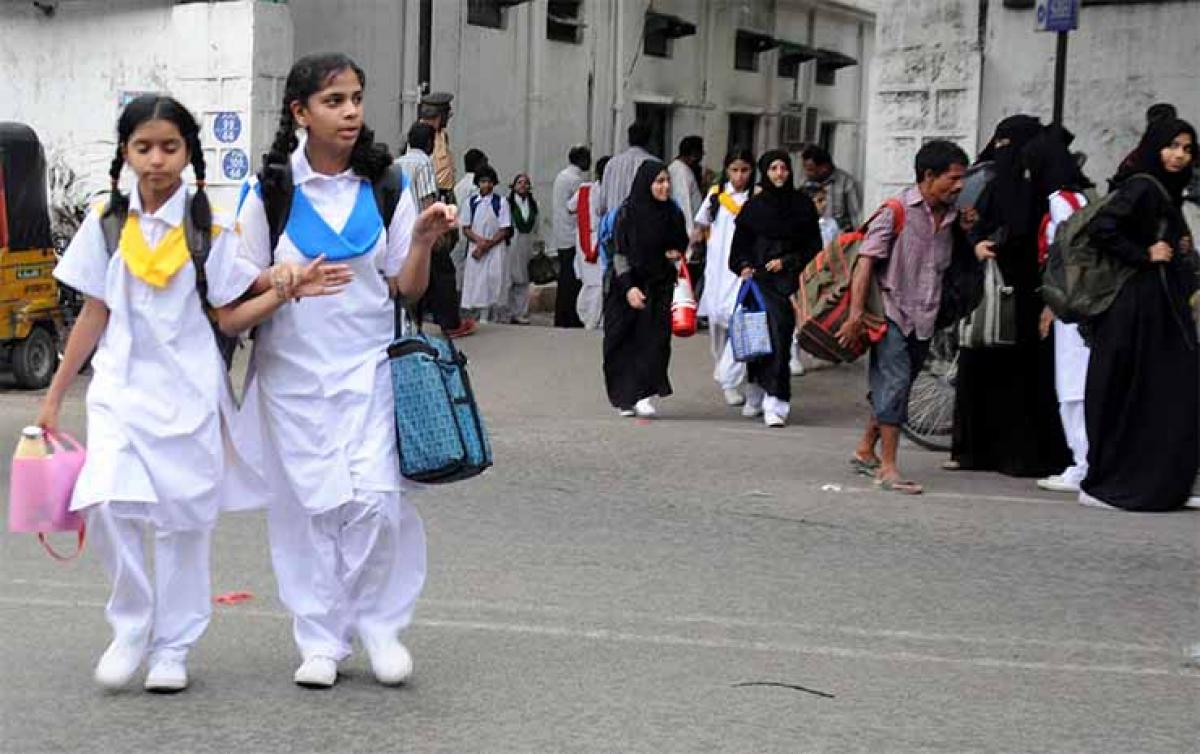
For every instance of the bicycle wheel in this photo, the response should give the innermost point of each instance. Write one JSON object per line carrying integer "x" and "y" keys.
{"x": 931, "y": 404}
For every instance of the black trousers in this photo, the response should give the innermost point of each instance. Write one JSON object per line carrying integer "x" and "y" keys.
{"x": 569, "y": 286}
{"x": 441, "y": 297}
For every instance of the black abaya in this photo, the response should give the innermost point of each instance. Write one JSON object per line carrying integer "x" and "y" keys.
{"x": 1143, "y": 389}
{"x": 1005, "y": 408}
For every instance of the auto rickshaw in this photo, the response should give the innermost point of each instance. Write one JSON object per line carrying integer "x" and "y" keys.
{"x": 31, "y": 318}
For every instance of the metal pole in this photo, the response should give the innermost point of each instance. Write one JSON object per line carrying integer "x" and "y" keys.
{"x": 1060, "y": 76}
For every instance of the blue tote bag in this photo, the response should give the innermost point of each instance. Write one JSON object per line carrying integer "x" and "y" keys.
{"x": 749, "y": 335}
{"x": 439, "y": 429}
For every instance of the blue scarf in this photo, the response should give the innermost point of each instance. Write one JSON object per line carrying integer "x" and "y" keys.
{"x": 313, "y": 237}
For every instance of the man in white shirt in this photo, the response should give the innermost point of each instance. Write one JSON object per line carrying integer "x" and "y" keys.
{"x": 685, "y": 188}
{"x": 618, "y": 176}
{"x": 566, "y": 183}
{"x": 417, "y": 165}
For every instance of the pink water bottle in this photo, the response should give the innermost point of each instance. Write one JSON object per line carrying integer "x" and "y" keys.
{"x": 45, "y": 467}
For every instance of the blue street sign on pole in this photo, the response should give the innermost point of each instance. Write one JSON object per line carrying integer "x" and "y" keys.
{"x": 1057, "y": 15}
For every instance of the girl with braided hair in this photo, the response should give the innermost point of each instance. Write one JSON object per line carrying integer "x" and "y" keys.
{"x": 347, "y": 548}
{"x": 159, "y": 403}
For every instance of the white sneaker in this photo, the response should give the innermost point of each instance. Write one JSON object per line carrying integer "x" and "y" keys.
{"x": 645, "y": 408}
{"x": 390, "y": 660}
{"x": 1057, "y": 483}
{"x": 316, "y": 673}
{"x": 1094, "y": 502}
{"x": 796, "y": 366}
{"x": 749, "y": 410}
{"x": 626, "y": 412}
{"x": 166, "y": 677}
{"x": 734, "y": 397}
{"x": 773, "y": 420}
{"x": 1193, "y": 502}
{"x": 118, "y": 664}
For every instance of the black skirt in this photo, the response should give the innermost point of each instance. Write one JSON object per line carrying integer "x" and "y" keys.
{"x": 773, "y": 373}
{"x": 1143, "y": 399}
{"x": 637, "y": 345}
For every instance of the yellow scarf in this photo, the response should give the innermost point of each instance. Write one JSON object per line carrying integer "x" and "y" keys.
{"x": 726, "y": 200}
{"x": 154, "y": 266}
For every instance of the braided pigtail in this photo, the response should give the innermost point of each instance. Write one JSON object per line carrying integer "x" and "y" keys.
{"x": 202, "y": 219}
{"x": 118, "y": 203}
{"x": 285, "y": 141}
{"x": 368, "y": 159}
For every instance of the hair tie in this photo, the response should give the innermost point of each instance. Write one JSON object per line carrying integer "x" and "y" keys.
{"x": 201, "y": 183}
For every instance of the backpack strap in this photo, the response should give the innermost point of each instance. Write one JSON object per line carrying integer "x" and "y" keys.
{"x": 388, "y": 189}
{"x": 496, "y": 203}
{"x": 199, "y": 243}
{"x": 111, "y": 225}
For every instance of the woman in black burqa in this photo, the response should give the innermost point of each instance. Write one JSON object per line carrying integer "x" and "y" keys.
{"x": 650, "y": 237}
{"x": 1143, "y": 387}
{"x": 776, "y": 234}
{"x": 1005, "y": 408}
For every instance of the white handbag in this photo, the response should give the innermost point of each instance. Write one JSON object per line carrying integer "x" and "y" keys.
{"x": 994, "y": 321}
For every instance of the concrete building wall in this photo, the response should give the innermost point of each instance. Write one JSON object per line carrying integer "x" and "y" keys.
{"x": 1119, "y": 62}
{"x": 68, "y": 74}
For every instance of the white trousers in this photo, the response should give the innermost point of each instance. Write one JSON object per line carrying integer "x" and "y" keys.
{"x": 516, "y": 300}
{"x": 590, "y": 305}
{"x": 728, "y": 372}
{"x": 355, "y": 569}
{"x": 1075, "y": 428}
{"x": 169, "y": 615}
{"x": 758, "y": 398}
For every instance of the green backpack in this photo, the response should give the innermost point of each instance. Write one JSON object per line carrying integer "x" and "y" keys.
{"x": 1079, "y": 282}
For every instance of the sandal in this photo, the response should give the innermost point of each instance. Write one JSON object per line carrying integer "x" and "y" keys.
{"x": 900, "y": 486}
{"x": 864, "y": 466}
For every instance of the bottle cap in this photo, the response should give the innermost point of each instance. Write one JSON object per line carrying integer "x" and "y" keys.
{"x": 33, "y": 432}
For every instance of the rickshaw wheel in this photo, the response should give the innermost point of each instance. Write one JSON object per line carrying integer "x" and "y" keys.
{"x": 35, "y": 359}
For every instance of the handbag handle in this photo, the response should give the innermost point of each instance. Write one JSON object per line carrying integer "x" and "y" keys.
{"x": 683, "y": 271}
{"x": 81, "y": 538}
{"x": 749, "y": 286}
{"x": 60, "y": 441}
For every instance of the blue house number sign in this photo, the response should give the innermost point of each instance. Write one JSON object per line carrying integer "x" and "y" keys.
{"x": 235, "y": 164}
{"x": 227, "y": 127}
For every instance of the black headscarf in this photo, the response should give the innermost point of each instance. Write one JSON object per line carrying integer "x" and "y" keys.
{"x": 1009, "y": 200}
{"x": 1051, "y": 165}
{"x": 777, "y": 213}
{"x": 1158, "y": 137}
{"x": 653, "y": 226}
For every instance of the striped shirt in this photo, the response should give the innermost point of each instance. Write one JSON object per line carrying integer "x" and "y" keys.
{"x": 916, "y": 260}
{"x": 843, "y": 199}
{"x": 418, "y": 169}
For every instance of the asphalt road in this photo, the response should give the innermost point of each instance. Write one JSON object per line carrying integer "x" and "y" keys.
{"x": 697, "y": 583}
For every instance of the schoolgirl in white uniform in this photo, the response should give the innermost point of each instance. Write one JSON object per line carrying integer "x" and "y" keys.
{"x": 717, "y": 214}
{"x": 487, "y": 223}
{"x": 159, "y": 404}
{"x": 589, "y": 305}
{"x": 347, "y": 548}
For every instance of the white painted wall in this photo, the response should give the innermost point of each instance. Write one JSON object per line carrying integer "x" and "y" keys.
{"x": 65, "y": 74}
{"x": 1119, "y": 62}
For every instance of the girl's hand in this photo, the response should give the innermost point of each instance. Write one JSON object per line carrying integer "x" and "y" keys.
{"x": 47, "y": 417}
{"x": 746, "y": 273}
{"x": 673, "y": 255}
{"x": 479, "y": 251}
{"x": 285, "y": 276}
{"x": 437, "y": 220}
{"x": 636, "y": 298}
{"x": 1161, "y": 252}
{"x": 1045, "y": 322}
{"x": 985, "y": 250}
{"x": 321, "y": 279}
{"x": 775, "y": 265}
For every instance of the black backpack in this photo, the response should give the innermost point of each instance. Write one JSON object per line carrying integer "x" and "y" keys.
{"x": 275, "y": 181}
{"x": 199, "y": 243}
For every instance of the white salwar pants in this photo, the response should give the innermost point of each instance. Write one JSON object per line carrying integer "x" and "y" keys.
{"x": 1075, "y": 428}
{"x": 355, "y": 569}
{"x": 728, "y": 372}
{"x": 590, "y": 305}
{"x": 171, "y": 614}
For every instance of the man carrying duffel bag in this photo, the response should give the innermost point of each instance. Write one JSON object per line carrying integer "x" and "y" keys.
{"x": 908, "y": 267}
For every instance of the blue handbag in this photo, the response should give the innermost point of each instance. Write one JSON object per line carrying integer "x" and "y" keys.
{"x": 749, "y": 334}
{"x": 439, "y": 429}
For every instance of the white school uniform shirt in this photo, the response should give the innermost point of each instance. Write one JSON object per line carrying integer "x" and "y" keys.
{"x": 483, "y": 279}
{"x": 720, "y": 285}
{"x": 318, "y": 406}
{"x": 685, "y": 191}
{"x": 159, "y": 402}
{"x": 1071, "y": 353}
{"x": 589, "y": 273}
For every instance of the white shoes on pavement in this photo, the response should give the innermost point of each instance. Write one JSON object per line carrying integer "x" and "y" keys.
{"x": 773, "y": 420}
{"x": 1094, "y": 502}
{"x": 118, "y": 664}
{"x": 750, "y": 411}
{"x": 626, "y": 412}
{"x": 390, "y": 660}
{"x": 1057, "y": 483}
{"x": 645, "y": 408}
{"x": 734, "y": 397}
{"x": 166, "y": 677}
{"x": 316, "y": 673}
